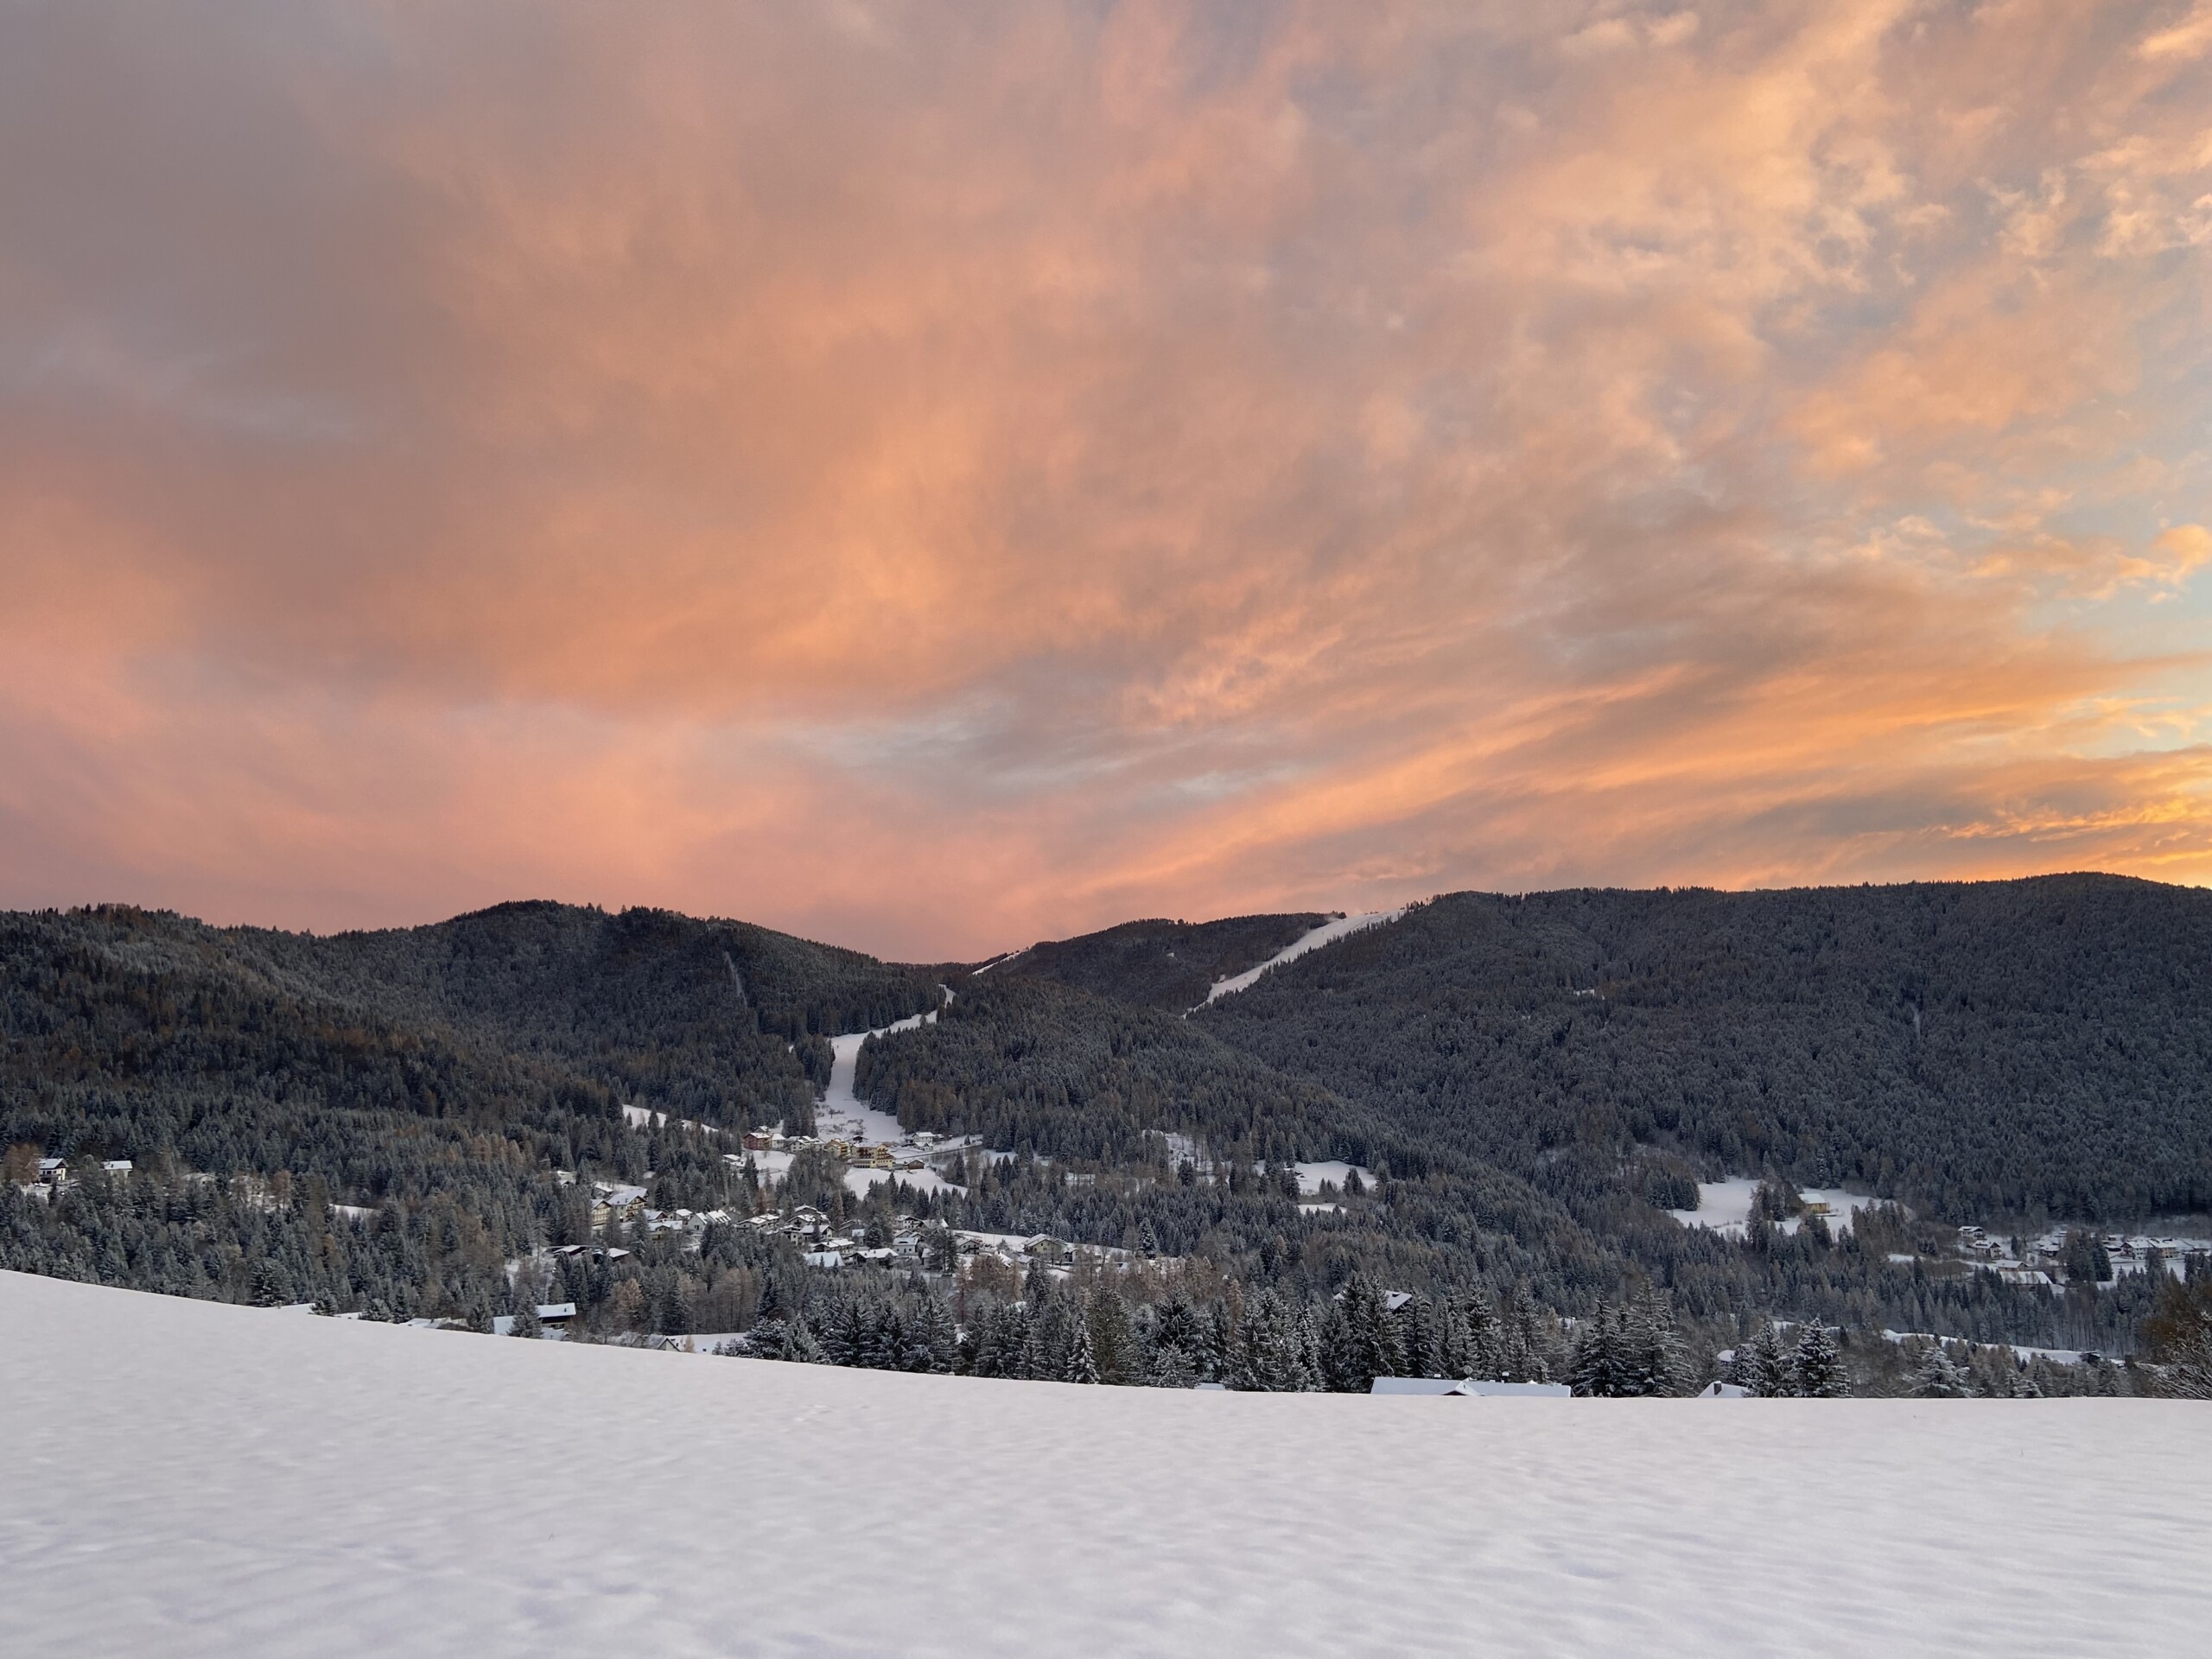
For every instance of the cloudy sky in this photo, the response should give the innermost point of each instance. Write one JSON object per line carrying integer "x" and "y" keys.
{"x": 937, "y": 476}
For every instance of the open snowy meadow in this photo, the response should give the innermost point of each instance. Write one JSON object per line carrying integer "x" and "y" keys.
{"x": 183, "y": 1477}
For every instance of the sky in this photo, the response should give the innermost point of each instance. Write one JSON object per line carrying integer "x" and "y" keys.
{"x": 937, "y": 476}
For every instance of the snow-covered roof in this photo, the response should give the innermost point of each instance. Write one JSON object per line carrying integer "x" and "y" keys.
{"x": 1416, "y": 1385}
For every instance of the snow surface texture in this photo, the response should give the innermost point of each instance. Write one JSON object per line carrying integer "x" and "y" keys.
{"x": 1327, "y": 933}
{"x": 186, "y": 1478}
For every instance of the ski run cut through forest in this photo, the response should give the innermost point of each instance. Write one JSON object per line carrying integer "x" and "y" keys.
{"x": 187, "y": 1478}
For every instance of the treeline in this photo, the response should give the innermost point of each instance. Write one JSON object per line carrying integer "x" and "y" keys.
{"x": 280, "y": 1243}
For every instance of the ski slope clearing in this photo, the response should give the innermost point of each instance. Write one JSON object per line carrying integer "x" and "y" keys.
{"x": 1327, "y": 933}
{"x": 844, "y": 1113}
{"x": 187, "y": 1478}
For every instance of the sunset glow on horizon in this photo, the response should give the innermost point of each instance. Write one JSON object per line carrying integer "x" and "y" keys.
{"x": 935, "y": 478}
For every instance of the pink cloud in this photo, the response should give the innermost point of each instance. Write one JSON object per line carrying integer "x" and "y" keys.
{"x": 940, "y": 482}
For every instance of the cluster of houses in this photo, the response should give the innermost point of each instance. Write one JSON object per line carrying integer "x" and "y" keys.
{"x": 52, "y": 1175}
{"x": 612, "y": 1201}
{"x": 2040, "y": 1263}
{"x": 820, "y": 1243}
{"x": 823, "y": 1246}
{"x": 911, "y": 1154}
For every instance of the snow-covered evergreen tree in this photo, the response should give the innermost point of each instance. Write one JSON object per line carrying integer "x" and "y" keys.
{"x": 1938, "y": 1377}
{"x": 1651, "y": 1360}
{"x": 1597, "y": 1368}
{"x": 784, "y": 1339}
{"x": 1762, "y": 1367}
{"x": 1113, "y": 1337}
{"x": 1485, "y": 1340}
{"x": 1418, "y": 1339}
{"x": 1369, "y": 1337}
{"x": 1079, "y": 1363}
{"x": 1816, "y": 1368}
{"x": 1332, "y": 1336}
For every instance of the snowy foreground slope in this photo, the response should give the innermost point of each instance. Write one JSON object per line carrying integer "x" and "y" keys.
{"x": 179, "y": 1477}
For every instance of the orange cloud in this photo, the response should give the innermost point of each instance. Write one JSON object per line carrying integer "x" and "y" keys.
{"x": 940, "y": 482}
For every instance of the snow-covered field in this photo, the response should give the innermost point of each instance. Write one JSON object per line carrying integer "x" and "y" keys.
{"x": 1725, "y": 1206}
{"x": 1310, "y": 1176}
{"x": 183, "y": 1478}
{"x": 1313, "y": 939}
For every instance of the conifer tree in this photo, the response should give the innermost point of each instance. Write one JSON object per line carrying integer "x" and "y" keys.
{"x": 1816, "y": 1370}
{"x": 1651, "y": 1358}
{"x": 1596, "y": 1369}
{"x": 1371, "y": 1336}
{"x": 1214, "y": 1355}
{"x": 1080, "y": 1363}
{"x": 1418, "y": 1339}
{"x": 272, "y": 1286}
{"x": 1762, "y": 1369}
{"x": 1937, "y": 1377}
{"x": 1167, "y": 1366}
{"x": 1113, "y": 1337}
{"x": 1454, "y": 1353}
{"x": 937, "y": 1342}
{"x": 1339, "y": 1366}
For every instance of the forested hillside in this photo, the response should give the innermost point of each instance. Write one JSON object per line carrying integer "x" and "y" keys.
{"x": 397, "y": 1119}
{"x": 2035, "y": 1048}
{"x": 438, "y": 1076}
{"x": 1126, "y": 1122}
{"x": 1089, "y": 1093}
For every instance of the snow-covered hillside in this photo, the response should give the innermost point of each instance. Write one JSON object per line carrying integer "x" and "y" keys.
{"x": 184, "y": 1479}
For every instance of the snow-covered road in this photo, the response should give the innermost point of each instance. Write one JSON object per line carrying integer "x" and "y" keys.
{"x": 182, "y": 1479}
